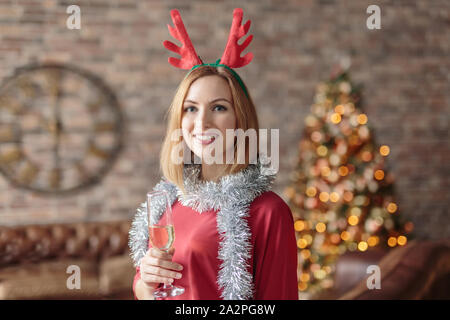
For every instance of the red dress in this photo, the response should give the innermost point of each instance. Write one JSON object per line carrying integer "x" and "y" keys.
{"x": 273, "y": 261}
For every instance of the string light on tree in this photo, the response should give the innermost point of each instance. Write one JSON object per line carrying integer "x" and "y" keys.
{"x": 341, "y": 194}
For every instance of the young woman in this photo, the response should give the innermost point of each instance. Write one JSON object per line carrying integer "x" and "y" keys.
{"x": 234, "y": 238}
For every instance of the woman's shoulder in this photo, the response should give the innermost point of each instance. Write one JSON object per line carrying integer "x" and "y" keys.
{"x": 268, "y": 197}
{"x": 269, "y": 202}
{"x": 269, "y": 213}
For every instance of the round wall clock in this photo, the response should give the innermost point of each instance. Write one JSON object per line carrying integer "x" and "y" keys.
{"x": 60, "y": 129}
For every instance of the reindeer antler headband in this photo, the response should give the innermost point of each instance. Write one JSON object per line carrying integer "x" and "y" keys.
{"x": 231, "y": 57}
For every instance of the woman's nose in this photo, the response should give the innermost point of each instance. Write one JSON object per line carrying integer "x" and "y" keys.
{"x": 202, "y": 120}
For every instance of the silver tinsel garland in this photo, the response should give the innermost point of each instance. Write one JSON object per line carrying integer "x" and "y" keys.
{"x": 231, "y": 196}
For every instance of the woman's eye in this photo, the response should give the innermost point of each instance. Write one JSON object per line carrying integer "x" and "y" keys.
{"x": 189, "y": 109}
{"x": 220, "y": 108}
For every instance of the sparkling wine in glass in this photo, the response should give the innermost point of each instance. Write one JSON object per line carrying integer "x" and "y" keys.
{"x": 162, "y": 236}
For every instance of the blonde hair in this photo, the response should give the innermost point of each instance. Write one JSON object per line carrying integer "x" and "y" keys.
{"x": 245, "y": 115}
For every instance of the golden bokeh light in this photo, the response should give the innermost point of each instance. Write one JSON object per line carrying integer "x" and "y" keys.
{"x": 320, "y": 274}
{"x": 321, "y": 227}
{"x": 302, "y": 243}
{"x": 302, "y": 286}
{"x": 299, "y": 225}
{"x": 322, "y": 151}
{"x": 348, "y": 196}
{"x": 362, "y": 118}
{"x": 304, "y": 277}
{"x": 366, "y": 156}
{"x": 384, "y": 150}
{"x": 345, "y": 235}
{"x": 334, "y": 197}
{"x": 392, "y": 241}
{"x": 305, "y": 253}
{"x": 401, "y": 240}
{"x": 391, "y": 207}
{"x": 362, "y": 246}
{"x": 335, "y": 238}
{"x": 353, "y": 220}
{"x": 324, "y": 196}
{"x": 372, "y": 241}
{"x": 325, "y": 171}
{"x": 311, "y": 191}
{"x": 343, "y": 170}
{"x": 335, "y": 118}
{"x": 339, "y": 109}
{"x": 379, "y": 174}
{"x": 327, "y": 269}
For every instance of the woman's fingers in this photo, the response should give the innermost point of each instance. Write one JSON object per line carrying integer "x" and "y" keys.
{"x": 162, "y": 272}
{"x": 160, "y": 254}
{"x": 163, "y": 264}
{"x": 161, "y": 268}
{"x": 157, "y": 267}
{"x": 166, "y": 264}
{"x": 152, "y": 281}
{"x": 162, "y": 260}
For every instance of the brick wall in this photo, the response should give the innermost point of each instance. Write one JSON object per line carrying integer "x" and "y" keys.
{"x": 404, "y": 67}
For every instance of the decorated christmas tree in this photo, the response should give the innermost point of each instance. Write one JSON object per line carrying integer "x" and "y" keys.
{"x": 341, "y": 196}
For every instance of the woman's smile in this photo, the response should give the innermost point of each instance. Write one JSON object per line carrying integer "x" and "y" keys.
{"x": 204, "y": 139}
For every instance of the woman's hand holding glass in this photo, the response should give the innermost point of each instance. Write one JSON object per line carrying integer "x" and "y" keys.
{"x": 157, "y": 267}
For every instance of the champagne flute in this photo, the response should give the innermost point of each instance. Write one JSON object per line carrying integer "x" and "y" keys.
{"x": 162, "y": 236}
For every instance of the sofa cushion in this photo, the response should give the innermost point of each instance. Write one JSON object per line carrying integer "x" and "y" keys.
{"x": 351, "y": 268}
{"x": 48, "y": 280}
{"x": 116, "y": 276}
{"x": 409, "y": 272}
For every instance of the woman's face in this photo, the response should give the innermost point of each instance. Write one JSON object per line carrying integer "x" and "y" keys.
{"x": 207, "y": 112}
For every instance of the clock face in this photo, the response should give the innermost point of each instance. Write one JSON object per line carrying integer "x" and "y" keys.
{"x": 60, "y": 129}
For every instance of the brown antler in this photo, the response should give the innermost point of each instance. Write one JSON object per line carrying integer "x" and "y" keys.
{"x": 187, "y": 52}
{"x": 232, "y": 54}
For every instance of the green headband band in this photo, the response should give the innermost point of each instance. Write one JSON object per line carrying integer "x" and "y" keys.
{"x": 217, "y": 64}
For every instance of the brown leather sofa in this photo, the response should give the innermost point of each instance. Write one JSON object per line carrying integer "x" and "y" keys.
{"x": 419, "y": 270}
{"x": 34, "y": 261}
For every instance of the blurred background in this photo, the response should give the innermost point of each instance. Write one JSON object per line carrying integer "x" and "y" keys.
{"x": 82, "y": 117}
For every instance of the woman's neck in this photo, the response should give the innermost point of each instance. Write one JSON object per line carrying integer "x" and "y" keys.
{"x": 212, "y": 172}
